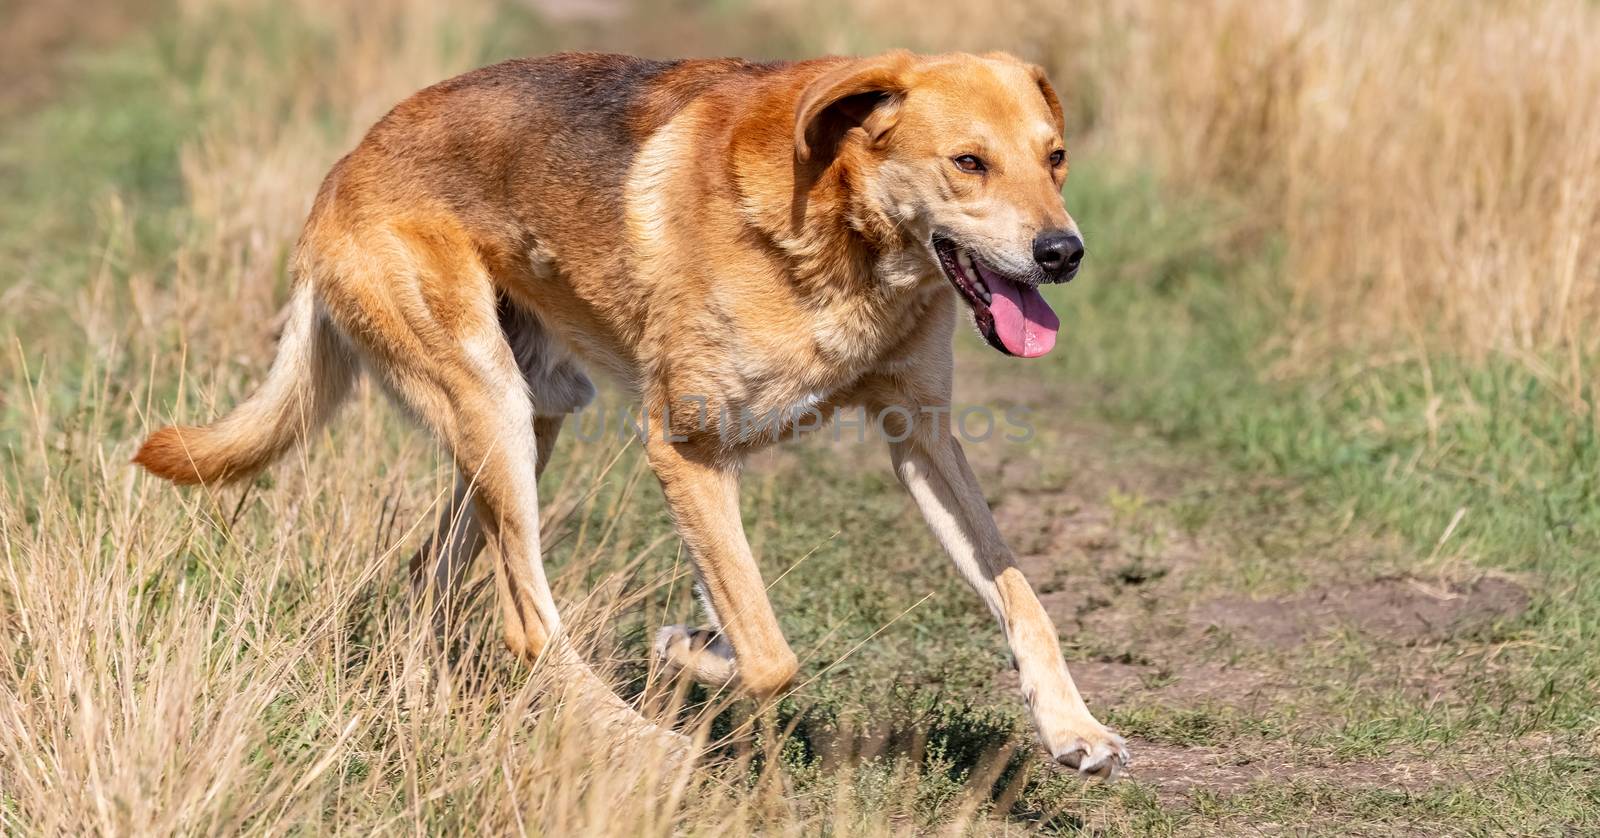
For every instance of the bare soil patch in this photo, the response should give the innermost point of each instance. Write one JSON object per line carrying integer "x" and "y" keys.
{"x": 1151, "y": 642}
{"x": 1160, "y": 623}
{"x": 1398, "y": 610}
{"x": 1176, "y": 769}
{"x": 1154, "y": 620}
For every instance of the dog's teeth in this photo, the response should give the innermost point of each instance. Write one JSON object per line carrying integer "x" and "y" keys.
{"x": 970, "y": 269}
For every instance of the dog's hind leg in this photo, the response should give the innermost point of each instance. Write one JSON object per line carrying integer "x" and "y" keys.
{"x": 429, "y": 327}
{"x": 558, "y": 387}
{"x": 440, "y": 565}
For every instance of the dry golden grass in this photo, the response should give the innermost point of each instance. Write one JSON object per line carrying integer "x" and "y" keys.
{"x": 176, "y": 667}
{"x": 1431, "y": 165}
{"x": 153, "y": 698}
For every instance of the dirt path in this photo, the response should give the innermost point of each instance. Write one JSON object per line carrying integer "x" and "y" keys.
{"x": 1218, "y": 620}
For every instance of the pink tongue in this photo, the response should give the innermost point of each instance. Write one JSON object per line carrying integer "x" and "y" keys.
{"x": 1023, "y": 321}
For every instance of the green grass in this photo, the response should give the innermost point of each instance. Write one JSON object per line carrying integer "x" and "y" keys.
{"x": 1469, "y": 464}
{"x": 1477, "y": 463}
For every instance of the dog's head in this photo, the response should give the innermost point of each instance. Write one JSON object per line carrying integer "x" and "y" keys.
{"x": 958, "y": 159}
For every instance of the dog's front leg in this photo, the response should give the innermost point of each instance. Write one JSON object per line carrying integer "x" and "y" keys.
{"x": 931, "y": 464}
{"x": 703, "y": 493}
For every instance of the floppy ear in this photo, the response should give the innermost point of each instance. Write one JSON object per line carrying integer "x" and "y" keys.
{"x": 1050, "y": 98}
{"x": 864, "y": 93}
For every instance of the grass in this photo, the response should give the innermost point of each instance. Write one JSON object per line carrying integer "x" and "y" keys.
{"x": 181, "y": 663}
{"x": 1476, "y": 464}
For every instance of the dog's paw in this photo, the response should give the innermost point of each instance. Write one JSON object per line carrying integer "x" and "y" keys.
{"x": 1094, "y": 752}
{"x": 703, "y": 654}
{"x": 671, "y": 645}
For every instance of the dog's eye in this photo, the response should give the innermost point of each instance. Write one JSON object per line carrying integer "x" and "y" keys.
{"x": 1057, "y": 157}
{"x": 969, "y": 163}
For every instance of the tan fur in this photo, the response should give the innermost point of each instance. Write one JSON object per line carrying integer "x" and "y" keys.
{"x": 309, "y": 378}
{"x": 747, "y": 238}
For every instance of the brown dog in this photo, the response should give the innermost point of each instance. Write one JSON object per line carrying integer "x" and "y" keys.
{"x": 729, "y": 239}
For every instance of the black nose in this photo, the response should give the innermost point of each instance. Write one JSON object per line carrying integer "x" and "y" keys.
{"x": 1058, "y": 252}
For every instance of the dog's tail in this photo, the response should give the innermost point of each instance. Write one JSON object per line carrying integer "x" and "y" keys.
{"x": 310, "y": 377}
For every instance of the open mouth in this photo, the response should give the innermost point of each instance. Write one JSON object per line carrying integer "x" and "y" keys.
{"x": 1010, "y": 314}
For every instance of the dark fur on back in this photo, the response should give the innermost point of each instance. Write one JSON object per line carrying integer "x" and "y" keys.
{"x": 577, "y": 118}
